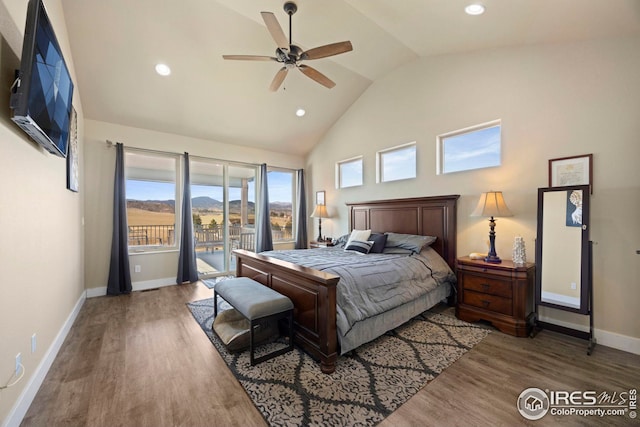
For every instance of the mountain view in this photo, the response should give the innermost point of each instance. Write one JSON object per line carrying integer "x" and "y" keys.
{"x": 145, "y": 212}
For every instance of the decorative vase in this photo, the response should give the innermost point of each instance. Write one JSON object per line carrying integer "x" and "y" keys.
{"x": 519, "y": 252}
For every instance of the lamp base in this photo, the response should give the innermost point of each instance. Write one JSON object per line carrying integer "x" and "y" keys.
{"x": 493, "y": 259}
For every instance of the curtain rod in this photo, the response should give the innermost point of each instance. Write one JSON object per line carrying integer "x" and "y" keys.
{"x": 149, "y": 150}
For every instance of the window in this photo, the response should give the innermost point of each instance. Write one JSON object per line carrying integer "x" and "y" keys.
{"x": 151, "y": 199}
{"x": 281, "y": 187}
{"x": 471, "y": 148}
{"x": 349, "y": 173}
{"x": 396, "y": 163}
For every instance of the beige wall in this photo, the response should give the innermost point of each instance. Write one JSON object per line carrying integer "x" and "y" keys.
{"x": 41, "y": 249}
{"x": 99, "y": 165}
{"x": 554, "y": 101}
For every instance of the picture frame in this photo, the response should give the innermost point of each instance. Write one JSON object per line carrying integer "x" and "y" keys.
{"x": 320, "y": 200}
{"x": 574, "y": 170}
{"x": 72, "y": 154}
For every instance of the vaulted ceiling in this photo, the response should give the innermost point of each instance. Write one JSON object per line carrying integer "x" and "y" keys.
{"x": 117, "y": 43}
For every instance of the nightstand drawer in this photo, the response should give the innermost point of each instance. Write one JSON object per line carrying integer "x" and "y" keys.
{"x": 487, "y": 285}
{"x": 488, "y": 302}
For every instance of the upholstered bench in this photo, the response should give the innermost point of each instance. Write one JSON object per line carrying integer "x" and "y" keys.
{"x": 258, "y": 304}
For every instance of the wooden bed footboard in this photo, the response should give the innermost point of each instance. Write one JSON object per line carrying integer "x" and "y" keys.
{"x": 313, "y": 294}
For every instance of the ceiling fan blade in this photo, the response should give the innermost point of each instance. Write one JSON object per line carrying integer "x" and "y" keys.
{"x": 278, "y": 79}
{"x": 250, "y": 57}
{"x": 316, "y": 75}
{"x": 327, "y": 50}
{"x": 275, "y": 29}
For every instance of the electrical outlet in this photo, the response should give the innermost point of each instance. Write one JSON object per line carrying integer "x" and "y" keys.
{"x": 34, "y": 343}
{"x": 574, "y": 286}
{"x": 137, "y": 268}
{"x": 18, "y": 363}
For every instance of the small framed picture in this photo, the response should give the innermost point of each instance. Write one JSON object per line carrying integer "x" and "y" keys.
{"x": 576, "y": 170}
{"x": 320, "y": 198}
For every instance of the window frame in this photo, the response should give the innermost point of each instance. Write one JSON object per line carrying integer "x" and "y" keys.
{"x": 441, "y": 142}
{"x": 178, "y": 161}
{"x": 380, "y": 170}
{"x": 294, "y": 201}
{"x": 339, "y": 173}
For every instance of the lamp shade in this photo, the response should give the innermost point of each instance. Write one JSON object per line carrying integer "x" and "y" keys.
{"x": 491, "y": 203}
{"x": 320, "y": 211}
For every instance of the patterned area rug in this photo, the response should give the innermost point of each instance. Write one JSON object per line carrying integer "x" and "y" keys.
{"x": 369, "y": 383}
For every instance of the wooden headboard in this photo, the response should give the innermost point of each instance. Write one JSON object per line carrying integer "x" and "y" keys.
{"x": 425, "y": 216}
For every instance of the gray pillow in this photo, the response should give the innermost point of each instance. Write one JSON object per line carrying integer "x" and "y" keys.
{"x": 341, "y": 241}
{"x": 412, "y": 242}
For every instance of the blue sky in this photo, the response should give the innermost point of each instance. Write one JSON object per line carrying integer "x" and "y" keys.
{"x": 280, "y": 185}
{"x": 399, "y": 164}
{"x": 472, "y": 150}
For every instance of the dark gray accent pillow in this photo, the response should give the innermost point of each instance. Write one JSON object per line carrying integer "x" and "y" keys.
{"x": 379, "y": 241}
{"x": 412, "y": 242}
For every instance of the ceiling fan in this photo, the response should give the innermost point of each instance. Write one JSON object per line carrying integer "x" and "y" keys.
{"x": 291, "y": 55}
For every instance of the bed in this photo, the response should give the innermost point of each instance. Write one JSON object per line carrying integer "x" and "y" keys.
{"x": 314, "y": 292}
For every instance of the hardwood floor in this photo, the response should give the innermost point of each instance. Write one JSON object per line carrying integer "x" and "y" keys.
{"x": 141, "y": 360}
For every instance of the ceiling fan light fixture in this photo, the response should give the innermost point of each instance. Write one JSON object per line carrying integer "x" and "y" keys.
{"x": 300, "y": 112}
{"x": 163, "y": 69}
{"x": 474, "y": 9}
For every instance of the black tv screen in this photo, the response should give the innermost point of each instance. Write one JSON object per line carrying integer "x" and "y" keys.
{"x": 43, "y": 91}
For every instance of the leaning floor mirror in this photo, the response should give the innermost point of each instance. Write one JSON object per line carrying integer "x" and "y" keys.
{"x": 563, "y": 253}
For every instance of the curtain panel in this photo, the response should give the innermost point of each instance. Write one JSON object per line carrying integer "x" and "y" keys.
{"x": 301, "y": 225}
{"x": 119, "y": 273}
{"x": 264, "y": 240}
{"x": 187, "y": 267}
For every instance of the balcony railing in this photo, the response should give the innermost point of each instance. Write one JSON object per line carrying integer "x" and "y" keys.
{"x": 209, "y": 237}
{"x": 152, "y": 235}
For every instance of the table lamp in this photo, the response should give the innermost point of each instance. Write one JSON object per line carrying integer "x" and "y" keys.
{"x": 320, "y": 211}
{"x": 492, "y": 204}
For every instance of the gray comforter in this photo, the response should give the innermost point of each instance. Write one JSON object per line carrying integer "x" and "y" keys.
{"x": 374, "y": 283}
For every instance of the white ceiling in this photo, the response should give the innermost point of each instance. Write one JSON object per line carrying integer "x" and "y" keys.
{"x": 116, "y": 44}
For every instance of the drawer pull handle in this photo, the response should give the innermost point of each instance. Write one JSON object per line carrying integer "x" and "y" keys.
{"x": 485, "y": 286}
{"x": 486, "y": 303}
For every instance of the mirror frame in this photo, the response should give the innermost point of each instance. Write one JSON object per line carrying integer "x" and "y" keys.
{"x": 585, "y": 270}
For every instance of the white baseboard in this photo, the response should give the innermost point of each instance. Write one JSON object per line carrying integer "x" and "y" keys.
{"x": 606, "y": 338}
{"x": 25, "y": 399}
{"x": 136, "y": 286}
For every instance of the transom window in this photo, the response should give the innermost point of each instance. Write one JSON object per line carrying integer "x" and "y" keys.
{"x": 349, "y": 172}
{"x": 470, "y": 148}
{"x": 396, "y": 163}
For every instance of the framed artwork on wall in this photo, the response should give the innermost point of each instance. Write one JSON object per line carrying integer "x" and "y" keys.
{"x": 72, "y": 154}
{"x": 320, "y": 198}
{"x": 575, "y": 170}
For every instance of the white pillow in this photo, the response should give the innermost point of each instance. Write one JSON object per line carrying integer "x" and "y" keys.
{"x": 359, "y": 235}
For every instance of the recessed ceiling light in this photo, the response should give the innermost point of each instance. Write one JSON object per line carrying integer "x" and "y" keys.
{"x": 163, "y": 69}
{"x": 300, "y": 112}
{"x": 474, "y": 9}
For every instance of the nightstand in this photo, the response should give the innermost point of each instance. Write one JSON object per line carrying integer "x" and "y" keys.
{"x": 313, "y": 244}
{"x": 498, "y": 293}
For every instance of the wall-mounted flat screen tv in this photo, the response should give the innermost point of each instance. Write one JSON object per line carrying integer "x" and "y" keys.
{"x": 42, "y": 94}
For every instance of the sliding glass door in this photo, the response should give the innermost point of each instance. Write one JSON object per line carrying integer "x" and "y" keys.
{"x": 223, "y": 210}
